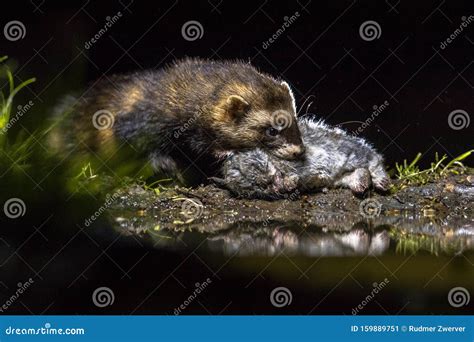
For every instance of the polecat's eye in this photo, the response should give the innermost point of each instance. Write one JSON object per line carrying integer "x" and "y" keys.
{"x": 273, "y": 132}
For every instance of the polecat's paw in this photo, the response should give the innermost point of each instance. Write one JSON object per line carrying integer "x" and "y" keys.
{"x": 219, "y": 181}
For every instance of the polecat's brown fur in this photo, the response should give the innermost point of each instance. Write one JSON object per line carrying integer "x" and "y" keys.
{"x": 193, "y": 108}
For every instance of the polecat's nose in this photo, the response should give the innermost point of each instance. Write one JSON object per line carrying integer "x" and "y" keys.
{"x": 299, "y": 152}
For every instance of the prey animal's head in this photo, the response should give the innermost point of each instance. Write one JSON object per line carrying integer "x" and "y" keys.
{"x": 261, "y": 114}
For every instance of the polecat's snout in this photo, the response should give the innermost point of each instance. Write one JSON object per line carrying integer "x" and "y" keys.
{"x": 287, "y": 144}
{"x": 289, "y": 151}
{"x": 299, "y": 153}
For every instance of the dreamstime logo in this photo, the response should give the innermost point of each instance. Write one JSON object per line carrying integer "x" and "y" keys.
{"x": 459, "y": 296}
{"x": 280, "y": 297}
{"x": 192, "y": 208}
{"x": 43, "y": 330}
{"x": 465, "y": 22}
{"x": 377, "y": 287}
{"x": 288, "y": 199}
{"x": 103, "y": 119}
{"x": 377, "y": 110}
{"x": 110, "y": 21}
{"x": 458, "y": 119}
{"x": 288, "y": 21}
{"x": 370, "y": 208}
{"x": 103, "y": 296}
{"x": 192, "y": 30}
{"x": 21, "y": 110}
{"x": 14, "y": 30}
{"x": 183, "y": 128}
{"x": 109, "y": 200}
{"x": 281, "y": 119}
{"x": 370, "y": 30}
{"x": 14, "y": 208}
{"x": 22, "y": 287}
{"x": 200, "y": 287}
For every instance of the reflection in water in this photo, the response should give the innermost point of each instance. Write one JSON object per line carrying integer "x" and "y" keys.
{"x": 272, "y": 240}
{"x": 326, "y": 234}
{"x": 359, "y": 240}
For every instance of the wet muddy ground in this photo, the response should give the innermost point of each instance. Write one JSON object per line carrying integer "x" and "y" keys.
{"x": 436, "y": 217}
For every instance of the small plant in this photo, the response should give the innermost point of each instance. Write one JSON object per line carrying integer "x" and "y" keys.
{"x": 410, "y": 173}
{"x": 87, "y": 172}
{"x": 17, "y": 153}
{"x": 7, "y": 101}
{"x": 156, "y": 186}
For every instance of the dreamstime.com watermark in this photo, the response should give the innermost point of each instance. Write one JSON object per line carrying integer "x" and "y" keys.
{"x": 459, "y": 119}
{"x": 288, "y": 21}
{"x": 46, "y": 330}
{"x": 14, "y": 30}
{"x": 200, "y": 287}
{"x": 370, "y": 30}
{"x": 22, "y": 287}
{"x": 103, "y": 119}
{"x": 281, "y": 119}
{"x": 14, "y": 208}
{"x": 109, "y": 199}
{"x": 179, "y": 131}
{"x": 281, "y": 207}
{"x": 377, "y": 110}
{"x": 465, "y": 22}
{"x": 21, "y": 110}
{"x": 191, "y": 209}
{"x": 280, "y": 297}
{"x": 377, "y": 288}
{"x": 110, "y": 21}
{"x": 370, "y": 208}
{"x": 192, "y": 30}
{"x": 459, "y": 296}
{"x": 103, "y": 296}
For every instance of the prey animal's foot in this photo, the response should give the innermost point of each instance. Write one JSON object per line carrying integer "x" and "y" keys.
{"x": 380, "y": 178}
{"x": 361, "y": 179}
{"x": 358, "y": 180}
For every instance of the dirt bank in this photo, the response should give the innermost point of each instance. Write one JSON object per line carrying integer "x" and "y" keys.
{"x": 440, "y": 213}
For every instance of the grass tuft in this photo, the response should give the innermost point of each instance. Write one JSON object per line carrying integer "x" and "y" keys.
{"x": 16, "y": 153}
{"x": 410, "y": 174}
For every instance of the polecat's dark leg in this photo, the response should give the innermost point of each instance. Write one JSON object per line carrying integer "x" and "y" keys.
{"x": 162, "y": 163}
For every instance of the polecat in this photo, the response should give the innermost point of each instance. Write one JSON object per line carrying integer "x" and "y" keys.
{"x": 332, "y": 158}
{"x": 191, "y": 109}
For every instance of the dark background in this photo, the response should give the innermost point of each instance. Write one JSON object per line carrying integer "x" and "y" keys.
{"x": 321, "y": 55}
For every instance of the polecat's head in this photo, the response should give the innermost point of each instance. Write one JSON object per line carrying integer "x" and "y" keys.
{"x": 263, "y": 114}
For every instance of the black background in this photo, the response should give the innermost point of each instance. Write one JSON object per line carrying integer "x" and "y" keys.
{"x": 321, "y": 55}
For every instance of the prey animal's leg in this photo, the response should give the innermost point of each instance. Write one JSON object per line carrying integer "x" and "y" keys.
{"x": 380, "y": 178}
{"x": 358, "y": 180}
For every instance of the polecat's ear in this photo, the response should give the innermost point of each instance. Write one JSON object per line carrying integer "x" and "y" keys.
{"x": 236, "y": 106}
{"x": 287, "y": 87}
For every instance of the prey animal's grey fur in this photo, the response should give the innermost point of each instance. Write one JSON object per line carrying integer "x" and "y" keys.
{"x": 333, "y": 158}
